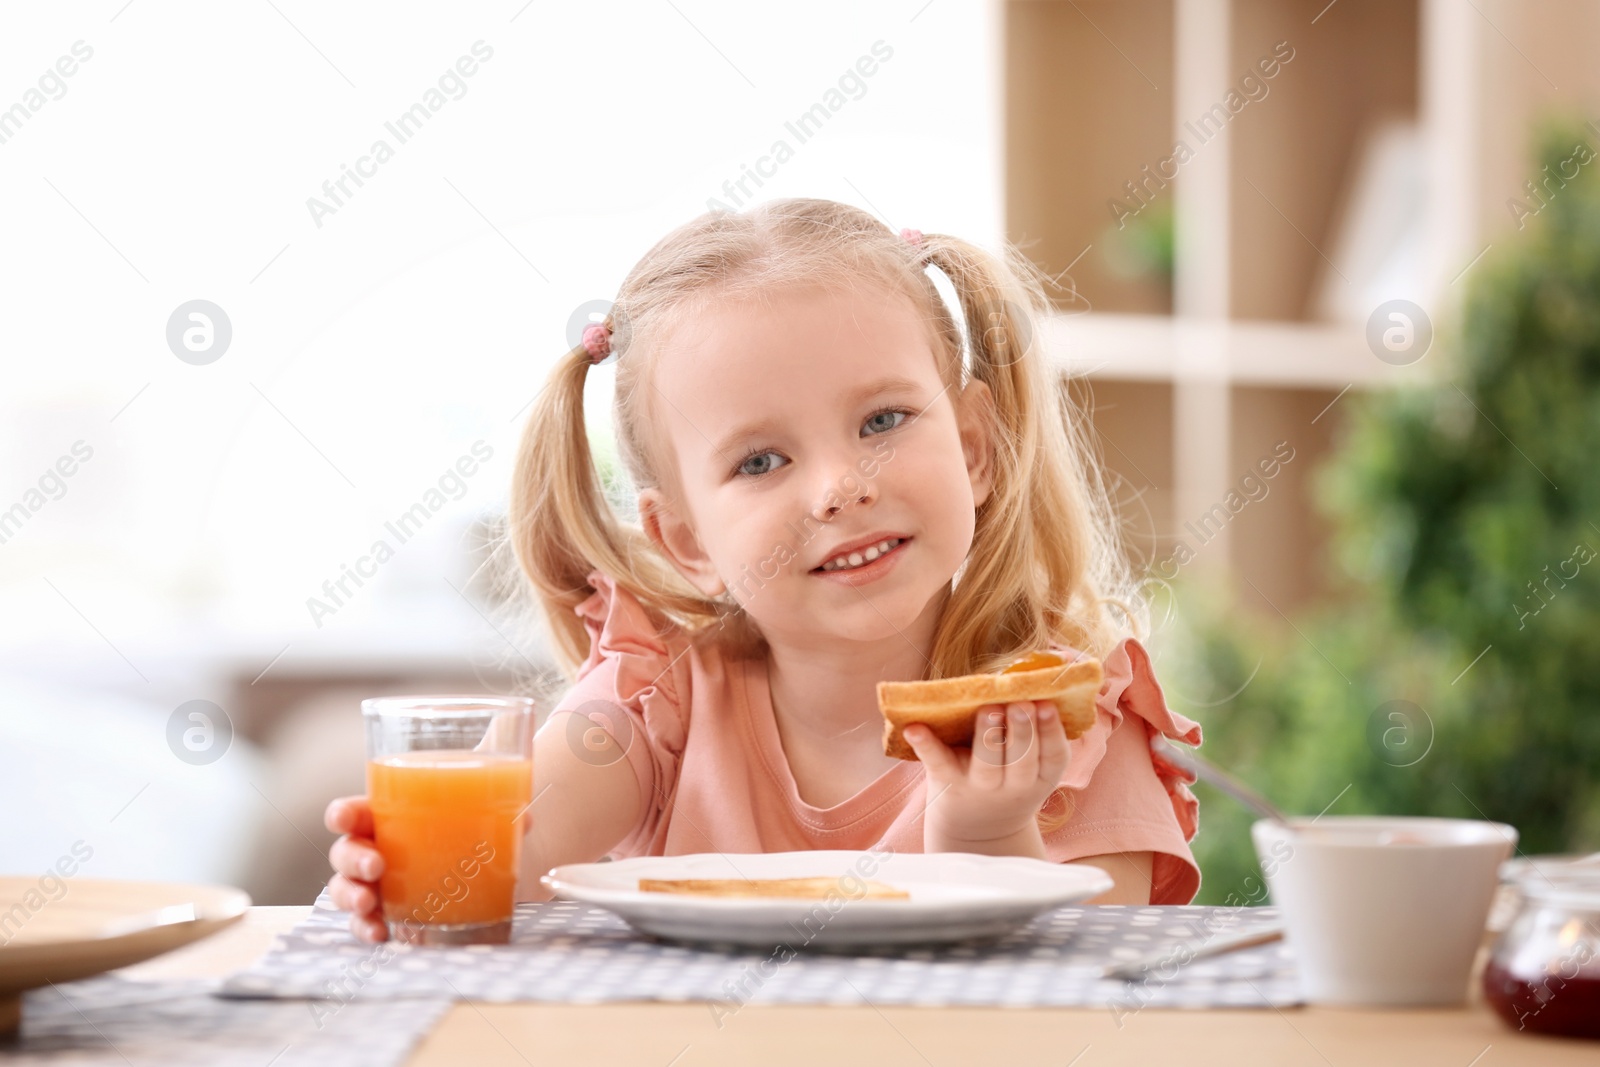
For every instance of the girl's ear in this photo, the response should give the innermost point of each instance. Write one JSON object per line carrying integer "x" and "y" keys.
{"x": 975, "y": 418}
{"x": 676, "y": 539}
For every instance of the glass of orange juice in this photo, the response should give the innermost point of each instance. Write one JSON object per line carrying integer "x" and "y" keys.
{"x": 449, "y": 778}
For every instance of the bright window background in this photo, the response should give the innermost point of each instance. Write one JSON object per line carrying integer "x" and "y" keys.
{"x": 370, "y": 353}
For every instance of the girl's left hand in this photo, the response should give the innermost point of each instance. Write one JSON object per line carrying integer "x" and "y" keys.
{"x": 979, "y": 797}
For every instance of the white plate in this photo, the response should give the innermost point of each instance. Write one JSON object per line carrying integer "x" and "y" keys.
{"x": 953, "y": 896}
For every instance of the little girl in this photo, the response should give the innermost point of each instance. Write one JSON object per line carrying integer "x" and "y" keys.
{"x": 830, "y": 493}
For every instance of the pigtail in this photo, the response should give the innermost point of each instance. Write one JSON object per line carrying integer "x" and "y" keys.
{"x": 1040, "y": 556}
{"x": 562, "y": 526}
{"x": 1056, "y": 811}
{"x": 556, "y": 521}
{"x": 1041, "y": 553}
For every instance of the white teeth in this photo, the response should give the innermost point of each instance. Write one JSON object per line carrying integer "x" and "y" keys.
{"x": 857, "y": 559}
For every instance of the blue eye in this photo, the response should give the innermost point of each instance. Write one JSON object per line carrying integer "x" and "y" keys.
{"x": 760, "y": 463}
{"x": 884, "y": 421}
{"x": 757, "y": 463}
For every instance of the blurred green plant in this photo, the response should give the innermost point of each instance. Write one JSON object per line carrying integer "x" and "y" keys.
{"x": 1458, "y": 671}
{"x": 1145, "y": 247}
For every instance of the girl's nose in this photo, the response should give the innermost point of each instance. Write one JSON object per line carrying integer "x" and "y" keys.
{"x": 843, "y": 491}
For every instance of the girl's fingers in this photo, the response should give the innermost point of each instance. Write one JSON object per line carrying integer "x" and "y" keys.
{"x": 358, "y": 898}
{"x": 1054, "y": 754}
{"x": 369, "y": 928}
{"x": 987, "y": 770}
{"x": 356, "y": 859}
{"x": 348, "y": 815}
{"x": 361, "y": 901}
{"x": 934, "y": 753}
{"x": 1022, "y": 744}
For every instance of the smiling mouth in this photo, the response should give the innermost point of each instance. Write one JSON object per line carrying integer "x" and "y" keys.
{"x": 861, "y": 557}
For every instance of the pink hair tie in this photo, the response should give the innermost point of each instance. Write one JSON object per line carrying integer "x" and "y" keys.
{"x": 596, "y": 341}
{"x": 913, "y": 236}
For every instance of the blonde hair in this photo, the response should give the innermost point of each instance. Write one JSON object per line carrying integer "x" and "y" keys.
{"x": 1045, "y": 563}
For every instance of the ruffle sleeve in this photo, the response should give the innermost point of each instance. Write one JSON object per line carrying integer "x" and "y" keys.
{"x": 1120, "y": 808}
{"x": 634, "y": 686}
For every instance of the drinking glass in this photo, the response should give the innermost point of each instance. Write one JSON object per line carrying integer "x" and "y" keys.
{"x": 449, "y": 778}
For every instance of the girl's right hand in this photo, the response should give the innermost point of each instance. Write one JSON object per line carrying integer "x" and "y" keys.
{"x": 355, "y": 858}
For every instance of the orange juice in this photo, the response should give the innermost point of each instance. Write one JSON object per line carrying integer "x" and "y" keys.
{"x": 446, "y": 822}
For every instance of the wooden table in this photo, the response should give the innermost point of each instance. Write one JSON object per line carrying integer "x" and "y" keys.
{"x": 686, "y": 1035}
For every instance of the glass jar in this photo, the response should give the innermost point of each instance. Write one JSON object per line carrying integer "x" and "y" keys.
{"x": 1543, "y": 973}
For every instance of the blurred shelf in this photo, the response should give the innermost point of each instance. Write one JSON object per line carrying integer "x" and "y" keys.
{"x": 1131, "y": 347}
{"x": 177, "y": 659}
{"x": 1197, "y": 371}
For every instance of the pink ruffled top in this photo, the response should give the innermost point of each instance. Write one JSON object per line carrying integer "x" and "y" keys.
{"x": 698, "y": 730}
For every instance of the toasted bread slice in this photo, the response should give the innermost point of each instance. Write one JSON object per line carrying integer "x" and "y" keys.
{"x": 807, "y": 888}
{"x": 946, "y": 705}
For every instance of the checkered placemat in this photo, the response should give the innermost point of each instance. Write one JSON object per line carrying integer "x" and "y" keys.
{"x": 566, "y": 952}
{"x": 110, "y": 1021}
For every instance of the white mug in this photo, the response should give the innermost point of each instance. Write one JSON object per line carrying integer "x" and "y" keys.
{"x": 1383, "y": 910}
